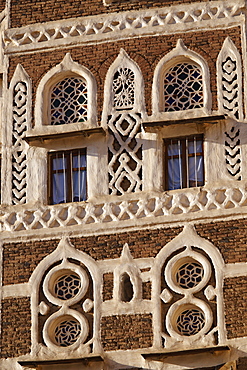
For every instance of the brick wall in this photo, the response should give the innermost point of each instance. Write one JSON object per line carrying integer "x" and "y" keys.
{"x": 235, "y": 296}
{"x": 145, "y": 51}
{"x": 107, "y": 286}
{"x": 20, "y": 259}
{"x": 16, "y": 327}
{"x": 126, "y": 332}
{"x": 35, "y": 11}
{"x": 230, "y": 237}
{"x": 242, "y": 363}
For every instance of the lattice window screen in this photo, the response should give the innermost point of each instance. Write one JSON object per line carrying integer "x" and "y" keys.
{"x": 69, "y": 100}
{"x": 183, "y": 87}
{"x": 229, "y": 73}
{"x": 124, "y": 88}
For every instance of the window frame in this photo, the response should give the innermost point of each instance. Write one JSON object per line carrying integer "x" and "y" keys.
{"x": 68, "y": 171}
{"x": 184, "y": 156}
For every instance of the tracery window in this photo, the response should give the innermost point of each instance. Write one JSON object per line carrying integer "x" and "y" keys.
{"x": 183, "y": 87}
{"x": 69, "y": 101}
{"x": 124, "y": 88}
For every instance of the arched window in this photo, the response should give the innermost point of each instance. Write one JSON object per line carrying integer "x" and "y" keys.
{"x": 66, "y": 96}
{"x": 183, "y": 87}
{"x": 181, "y": 83}
{"x": 69, "y": 101}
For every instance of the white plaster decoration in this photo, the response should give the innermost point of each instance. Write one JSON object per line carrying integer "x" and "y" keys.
{"x": 185, "y": 266}
{"x": 233, "y": 157}
{"x": 124, "y": 153}
{"x": 66, "y": 70}
{"x": 229, "y": 80}
{"x": 142, "y": 208}
{"x": 198, "y": 101}
{"x": 124, "y": 86}
{"x": 20, "y": 90}
{"x": 123, "y": 25}
{"x": 127, "y": 266}
{"x": 123, "y": 109}
{"x": 66, "y": 330}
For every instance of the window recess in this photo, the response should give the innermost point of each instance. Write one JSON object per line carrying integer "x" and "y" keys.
{"x": 183, "y": 162}
{"x": 67, "y": 176}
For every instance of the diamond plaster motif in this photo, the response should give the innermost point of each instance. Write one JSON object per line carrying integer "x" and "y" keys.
{"x": 166, "y": 296}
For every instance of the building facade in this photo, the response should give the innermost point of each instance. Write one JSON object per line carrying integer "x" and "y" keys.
{"x": 123, "y": 185}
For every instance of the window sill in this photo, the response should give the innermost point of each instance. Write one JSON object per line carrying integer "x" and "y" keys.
{"x": 41, "y": 136}
{"x": 200, "y": 120}
{"x": 85, "y": 360}
{"x": 162, "y": 356}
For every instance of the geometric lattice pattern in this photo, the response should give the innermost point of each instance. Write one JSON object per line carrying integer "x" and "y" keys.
{"x": 123, "y": 88}
{"x": 124, "y": 153}
{"x": 19, "y": 146}
{"x": 67, "y": 332}
{"x": 190, "y": 321}
{"x": 233, "y": 153}
{"x": 143, "y": 207}
{"x": 167, "y": 18}
{"x": 189, "y": 275}
{"x": 183, "y": 88}
{"x": 69, "y": 101}
{"x": 67, "y": 286}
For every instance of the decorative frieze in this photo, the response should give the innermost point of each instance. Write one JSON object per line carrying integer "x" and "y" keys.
{"x": 122, "y": 25}
{"x": 143, "y": 207}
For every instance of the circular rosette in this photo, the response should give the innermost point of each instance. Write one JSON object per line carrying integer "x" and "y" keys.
{"x": 187, "y": 272}
{"x": 189, "y": 319}
{"x": 67, "y": 330}
{"x": 65, "y": 284}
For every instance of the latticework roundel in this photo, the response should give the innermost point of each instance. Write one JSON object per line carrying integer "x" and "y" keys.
{"x": 183, "y": 88}
{"x": 67, "y": 332}
{"x": 190, "y": 321}
{"x": 67, "y": 286}
{"x": 69, "y": 101}
{"x": 189, "y": 275}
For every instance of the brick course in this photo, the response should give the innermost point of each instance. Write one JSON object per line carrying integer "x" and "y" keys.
{"x": 145, "y": 51}
{"x": 126, "y": 332}
{"x": 20, "y": 259}
{"x": 107, "y": 286}
{"x": 230, "y": 237}
{"x": 235, "y": 296}
{"x": 35, "y": 11}
{"x": 16, "y": 327}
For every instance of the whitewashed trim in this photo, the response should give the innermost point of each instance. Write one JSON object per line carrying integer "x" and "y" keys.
{"x": 104, "y": 27}
{"x": 16, "y": 290}
{"x": 230, "y": 84}
{"x": 179, "y": 54}
{"x": 64, "y": 69}
{"x": 123, "y": 61}
{"x": 130, "y": 210}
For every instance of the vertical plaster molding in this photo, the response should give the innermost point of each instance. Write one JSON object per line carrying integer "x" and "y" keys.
{"x": 14, "y": 189}
{"x": 229, "y": 80}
